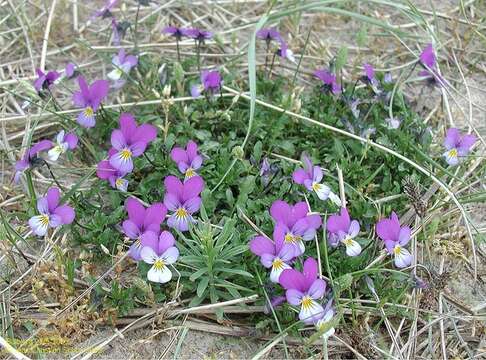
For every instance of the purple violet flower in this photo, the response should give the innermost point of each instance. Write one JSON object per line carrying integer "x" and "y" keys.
{"x": 130, "y": 141}
{"x": 371, "y": 79}
{"x": 210, "y": 82}
{"x": 311, "y": 176}
{"x": 268, "y": 34}
{"x": 29, "y": 157}
{"x": 395, "y": 238}
{"x": 428, "y": 60}
{"x": 123, "y": 64}
{"x": 304, "y": 289}
{"x": 175, "y": 31}
{"x": 393, "y": 123}
{"x": 285, "y": 53}
{"x": 115, "y": 177}
{"x": 105, "y": 11}
{"x": 51, "y": 214}
{"x": 275, "y": 302}
{"x": 329, "y": 80}
{"x": 70, "y": 70}
{"x": 295, "y": 224}
{"x": 183, "y": 200}
{"x": 159, "y": 251}
{"x": 64, "y": 142}
{"x": 188, "y": 160}
{"x": 89, "y": 98}
{"x": 341, "y": 229}
{"x": 141, "y": 221}
{"x": 276, "y": 254}
{"x": 45, "y": 80}
{"x": 197, "y": 34}
{"x": 457, "y": 145}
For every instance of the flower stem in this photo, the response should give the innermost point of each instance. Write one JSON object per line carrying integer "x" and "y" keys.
{"x": 198, "y": 55}
{"x": 178, "y": 50}
{"x": 136, "y": 28}
{"x": 30, "y": 186}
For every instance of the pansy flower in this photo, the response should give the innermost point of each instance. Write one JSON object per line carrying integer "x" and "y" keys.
{"x": 89, "y": 98}
{"x": 304, "y": 289}
{"x": 45, "y": 80}
{"x": 210, "y": 82}
{"x": 295, "y": 223}
{"x": 123, "y": 64}
{"x": 322, "y": 323}
{"x": 197, "y": 34}
{"x": 175, "y": 31}
{"x": 311, "y": 177}
{"x": 268, "y": 34}
{"x": 341, "y": 229}
{"x": 64, "y": 142}
{"x": 188, "y": 160}
{"x": 30, "y": 157}
{"x": 428, "y": 60}
{"x": 140, "y": 221}
{"x": 395, "y": 238}
{"x": 183, "y": 200}
{"x": 329, "y": 81}
{"x": 275, "y": 255}
{"x": 115, "y": 177}
{"x": 105, "y": 11}
{"x": 369, "y": 77}
{"x": 51, "y": 214}
{"x": 70, "y": 70}
{"x": 285, "y": 53}
{"x": 159, "y": 251}
{"x": 457, "y": 145}
{"x": 130, "y": 141}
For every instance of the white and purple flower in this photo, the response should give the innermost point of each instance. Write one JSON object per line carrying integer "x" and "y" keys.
{"x": 89, "y": 98}
{"x": 129, "y": 141}
{"x": 159, "y": 251}
{"x": 457, "y": 146}
{"x": 188, "y": 160}
{"x": 123, "y": 64}
{"x": 210, "y": 83}
{"x": 304, "y": 289}
{"x": 115, "y": 177}
{"x": 342, "y": 230}
{"x": 51, "y": 214}
{"x": 44, "y": 81}
{"x": 30, "y": 157}
{"x": 183, "y": 200}
{"x": 64, "y": 142}
{"x": 395, "y": 237}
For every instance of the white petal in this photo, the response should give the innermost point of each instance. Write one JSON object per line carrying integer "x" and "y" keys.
{"x": 308, "y": 314}
{"x": 275, "y": 273}
{"x": 148, "y": 255}
{"x": 121, "y": 184}
{"x": 60, "y": 137}
{"x": 39, "y": 227}
{"x": 352, "y": 248}
{"x": 322, "y": 191}
{"x": 160, "y": 276}
{"x": 170, "y": 255}
{"x": 290, "y": 55}
{"x": 403, "y": 259}
{"x": 115, "y": 74}
{"x": 335, "y": 199}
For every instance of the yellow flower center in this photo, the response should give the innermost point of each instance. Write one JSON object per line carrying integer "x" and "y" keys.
{"x": 397, "y": 250}
{"x": 88, "y": 112}
{"x": 316, "y": 186}
{"x": 125, "y": 154}
{"x": 44, "y": 220}
{"x": 159, "y": 264}
{"x": 119, "y": 182}
{"x": 453, "y": 152}
{"x": 181, "y": 212}
{"x": 277, "y": 264}
{"x": 306, "y": 302}
{"x": 59, "y": 149}
{"x": 190, "y": 172}
{"x": 348, "y": 241}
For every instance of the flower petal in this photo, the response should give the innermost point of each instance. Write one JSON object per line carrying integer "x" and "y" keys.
{"x": 179, "y": 155}
{"x": 404, "y": 235}
{"x": 317, "y": 289}
{"x": 66, "y": 213}
{"x": 192, "y": 205}
{"x": 118, "y": 140}
{"x": 299, "y": 176}
{"x": 166, "y": 240}
{"x": 170, "y": 255}
{"x": 277, "y": 271}
{"x": 171, "y": 201}
{"x": 292, "y": 279}
{"x": 38, "y": 225}
{"x": 174, "y": 186}
{"x": 294, "y": 296}
{"x": 403, "y": 259}
{"x": 130, "y": 229}
{"x": 148, "y": 255}
{"x": 155, "y": 214}
{"x": 136, "y": 211}
{"x": 192, "y": 188}
{"x": 145, "y": 133}
{"x": 280, "y": 212}
{"x": 53, "y": 196}
{"x": 159, "y": 276}
{"x": 312, "y": 313}
{"x": 352, "y": 248}
{"x": 150, "y": 239}
{"x": 260, "y": 245}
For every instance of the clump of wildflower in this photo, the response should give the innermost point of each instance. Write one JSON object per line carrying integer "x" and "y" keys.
{"x": 45, "y": 81}
{"x": 64, "y": 142}
{"x": 130, "y": 141}
{"x": 188, "y": 160}
{"x": 295, "y": 224}
{"x": 395, "y": 238}
{"x": 89, "y": 98}
{"x": 304, "y": 289}
{"x": 51, "y": 214}
{"x": 183, "y": 200}
{"x": 123, "y": 64}
{"x": 210, "y": 83}
{"x": 311, "y": 176}
{"x": 141, "y": 221}
{"x": 330, "y": 83}
{"x": 341, "y": 229}
{"x": 276, "y": 255}
{"x": 159, "y": 251}
{"x": 30, "y": 158}
{"x": 457, "y": 146}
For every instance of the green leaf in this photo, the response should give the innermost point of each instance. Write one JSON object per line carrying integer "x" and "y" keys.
{"x": 198, "y": 274}
{"x": 201, "y": 287}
